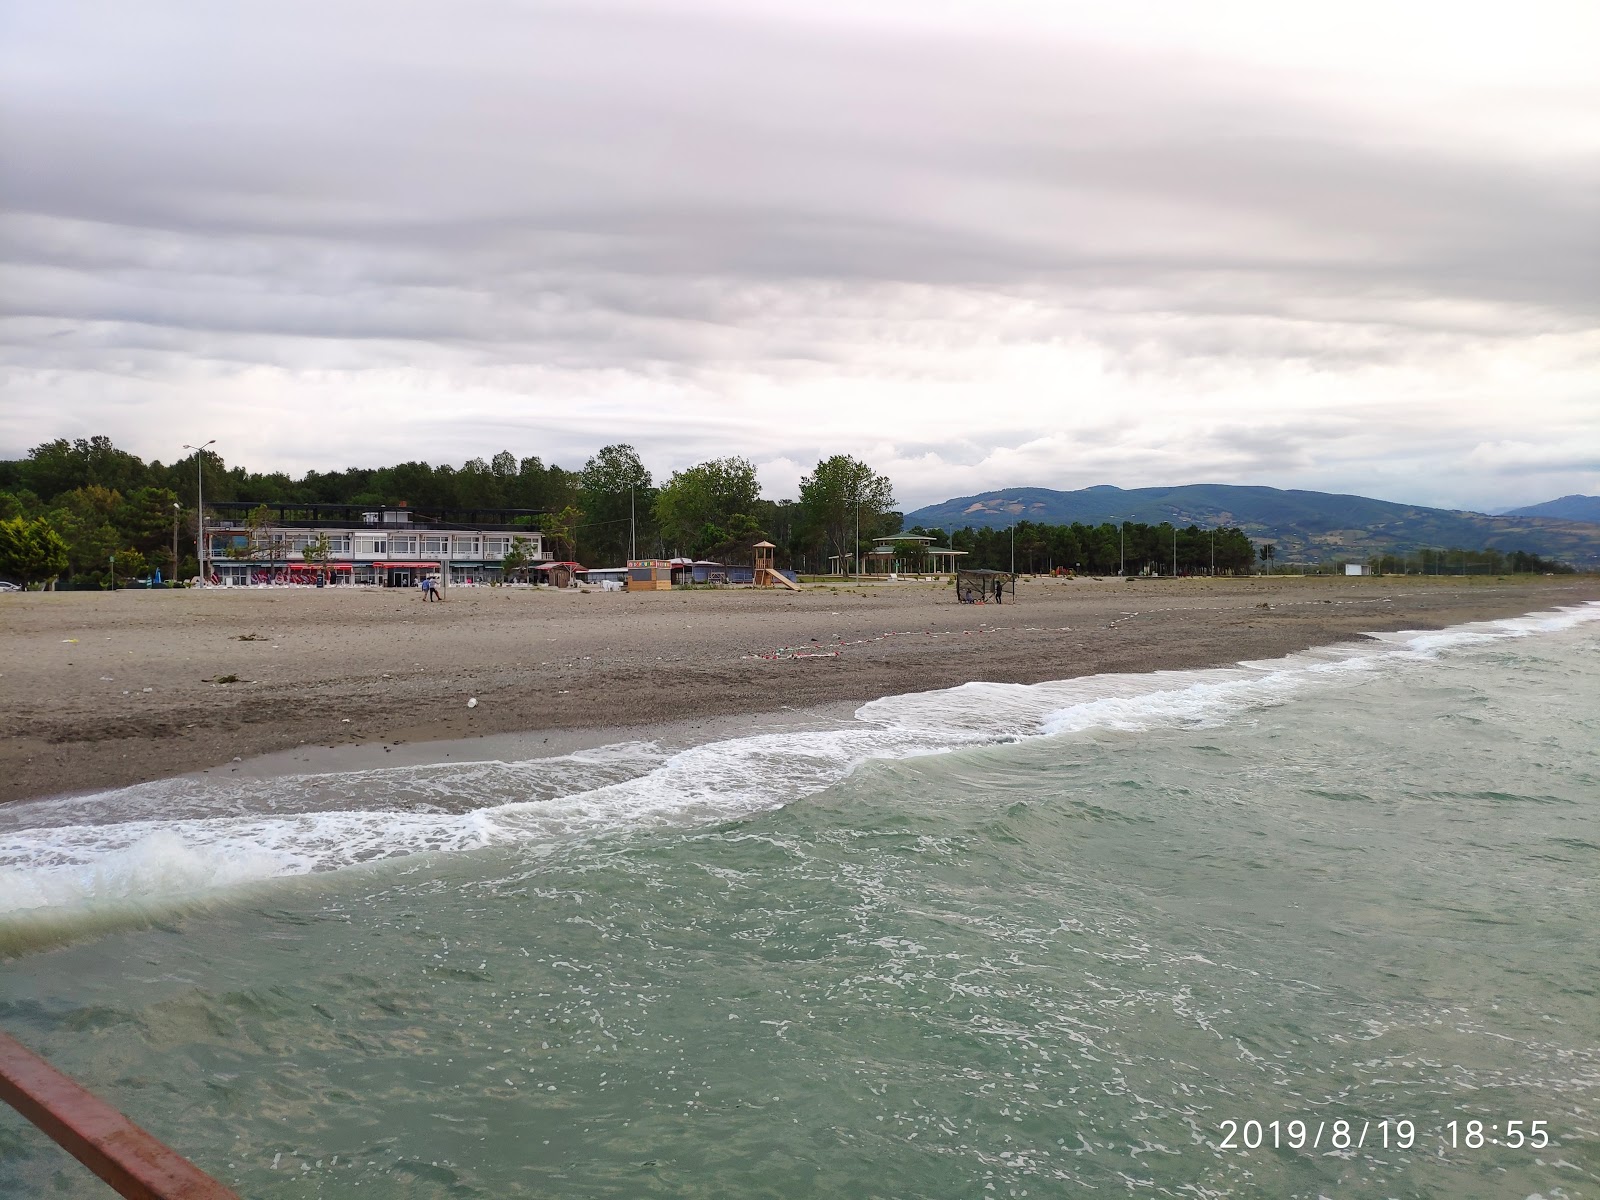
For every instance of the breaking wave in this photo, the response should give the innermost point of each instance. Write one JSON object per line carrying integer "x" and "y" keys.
{"x": 190, "y": 836}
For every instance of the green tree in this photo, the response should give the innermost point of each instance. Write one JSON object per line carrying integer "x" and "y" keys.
{"x": 614, "y": 487}
{"x": 318, "y": 552}
{"x": 842, "y": 495}
{"x": 130, "y": 564}
{"x": 31, "y": 551}
{"x": 560, "y": 530}
{"x": 707, "y": 505}
{"x": 517, "y": 558}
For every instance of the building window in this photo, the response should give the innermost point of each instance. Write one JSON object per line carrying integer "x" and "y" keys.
{"x": 371, "y": 546}
{"x": 496, "y": 547}
{"x": 466, "y": 547}
{"x": 338, "y": 543}
{"x": 399, "y": 544}
{"x": 435, "y": 546}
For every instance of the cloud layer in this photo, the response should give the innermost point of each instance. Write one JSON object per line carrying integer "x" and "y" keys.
{"x": 979, "y": 246}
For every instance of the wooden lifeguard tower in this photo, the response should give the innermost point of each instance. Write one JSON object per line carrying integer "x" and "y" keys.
{"x": 766, "y": 575}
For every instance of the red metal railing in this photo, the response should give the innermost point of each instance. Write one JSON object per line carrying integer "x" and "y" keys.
{"x": 97, "y": 1135}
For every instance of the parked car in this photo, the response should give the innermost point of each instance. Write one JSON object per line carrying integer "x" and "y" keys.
{"x": 8, "y": 587}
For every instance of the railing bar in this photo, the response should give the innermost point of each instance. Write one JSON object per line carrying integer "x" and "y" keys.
{"x": 135, "y": 1163}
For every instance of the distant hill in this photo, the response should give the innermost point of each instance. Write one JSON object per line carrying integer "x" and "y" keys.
{"x": 1568, "y": 508}
{"x": 1306, "y": 526}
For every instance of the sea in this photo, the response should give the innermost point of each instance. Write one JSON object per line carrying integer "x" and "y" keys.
{"x": 1321, "y": 926}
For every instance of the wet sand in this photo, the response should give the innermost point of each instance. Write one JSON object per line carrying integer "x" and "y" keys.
{"x": 103, "y": 689}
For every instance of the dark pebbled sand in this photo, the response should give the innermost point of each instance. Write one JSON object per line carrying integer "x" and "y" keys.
{"x": 337, "y": 668}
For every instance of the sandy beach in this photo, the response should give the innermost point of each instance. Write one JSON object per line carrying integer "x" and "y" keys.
{"x": 104, "y": 689}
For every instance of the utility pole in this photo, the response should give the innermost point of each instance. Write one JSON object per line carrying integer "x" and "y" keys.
{"x": 633, "y": 526}
{"x": 200, "y": 506}
{"x": 1174, "y": 551}
{"x": 1122, "y": 553}
{"x": 1213, "y": 553}
{"x": 1013, "y": 550}
{"x": 176, "y": 509}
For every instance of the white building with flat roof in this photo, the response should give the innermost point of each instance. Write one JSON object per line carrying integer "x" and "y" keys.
{"x": 382, "y": 546}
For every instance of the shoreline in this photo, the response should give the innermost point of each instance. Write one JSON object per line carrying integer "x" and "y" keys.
{"x": 350, "y": 681}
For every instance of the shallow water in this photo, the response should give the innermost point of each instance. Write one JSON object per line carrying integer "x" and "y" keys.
{"x": 998, "y": 940}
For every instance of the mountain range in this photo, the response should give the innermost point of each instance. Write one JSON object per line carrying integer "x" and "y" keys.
{"x": 1305, "y": 526}
{"x": 1567, "y": 508}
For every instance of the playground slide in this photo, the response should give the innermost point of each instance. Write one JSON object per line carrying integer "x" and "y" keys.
{"x": 779, "y": 578}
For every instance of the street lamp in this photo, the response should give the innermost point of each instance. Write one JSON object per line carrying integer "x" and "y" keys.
{"x": 177, "y": 508}
{"x": 199, "y": 507}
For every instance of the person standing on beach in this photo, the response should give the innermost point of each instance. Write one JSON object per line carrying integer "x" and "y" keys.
{"x": 999, "y": 588}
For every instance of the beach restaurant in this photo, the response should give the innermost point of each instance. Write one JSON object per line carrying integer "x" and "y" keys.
{"x": 376, "y": 545}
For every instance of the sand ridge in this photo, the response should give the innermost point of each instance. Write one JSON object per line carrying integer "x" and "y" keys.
{"x": 104, "y": 689}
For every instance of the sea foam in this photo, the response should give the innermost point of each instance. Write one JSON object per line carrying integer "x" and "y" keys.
{"x": 195, "y": 835}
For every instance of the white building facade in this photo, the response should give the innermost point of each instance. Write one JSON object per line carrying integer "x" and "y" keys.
{"x": 385, "y": 547}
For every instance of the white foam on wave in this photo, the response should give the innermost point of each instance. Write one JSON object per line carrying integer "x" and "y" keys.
{"x": 124, "y": 845}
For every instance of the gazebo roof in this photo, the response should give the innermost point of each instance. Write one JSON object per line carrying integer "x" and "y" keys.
{"x": 764, "y": 546}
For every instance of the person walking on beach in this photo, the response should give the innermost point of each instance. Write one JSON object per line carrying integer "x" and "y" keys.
{"x": 999, "y": 588}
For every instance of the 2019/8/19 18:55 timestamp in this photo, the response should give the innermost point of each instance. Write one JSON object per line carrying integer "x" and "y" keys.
{"x": 1386, "y": 1133}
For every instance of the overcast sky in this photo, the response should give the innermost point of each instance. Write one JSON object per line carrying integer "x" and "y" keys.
{"x": 1350, "y": 245}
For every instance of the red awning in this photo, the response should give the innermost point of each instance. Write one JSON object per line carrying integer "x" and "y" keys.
{"x": 429, "y": 566}
{"x": 313, "y": 567}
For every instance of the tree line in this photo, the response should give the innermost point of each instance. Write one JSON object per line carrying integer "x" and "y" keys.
{"x": 1104, "y": 549}
{"x": 87, "y": 511}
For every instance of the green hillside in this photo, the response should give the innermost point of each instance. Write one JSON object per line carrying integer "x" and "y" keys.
{"x": 1306, "y": 526}
{"x": 1567, "y": 508}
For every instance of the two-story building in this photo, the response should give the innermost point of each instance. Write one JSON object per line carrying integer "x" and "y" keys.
{"x": 367, "y": 544}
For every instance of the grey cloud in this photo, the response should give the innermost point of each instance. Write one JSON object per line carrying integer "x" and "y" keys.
{"x": 545, "y": 193}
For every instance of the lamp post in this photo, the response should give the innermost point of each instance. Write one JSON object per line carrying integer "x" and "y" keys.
{"x": 858, "y": 528}
{"x": 1122, "y": 553}
{"x": 176, "y": 509}
{"x": 199, "y": 506}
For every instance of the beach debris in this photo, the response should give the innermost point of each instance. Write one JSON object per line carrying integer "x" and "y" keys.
{"x": 344, "y": 720}
{"x": 222, "y": 679}
{"x": 472, "y": 702}
{"x": 250, "y": 637}
{"x": 788, "y": 652}
{"x": 70, "y": 641}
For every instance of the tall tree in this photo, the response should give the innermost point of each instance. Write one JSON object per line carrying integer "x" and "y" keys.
{"x": 844, "y": 494}
{"x": 31, "y": 551}
{"x": 614, "y": 487}
{"x": 701, "y": 508}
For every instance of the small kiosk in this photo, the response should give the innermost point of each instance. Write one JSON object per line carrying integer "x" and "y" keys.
{"x": 649, "y": 574}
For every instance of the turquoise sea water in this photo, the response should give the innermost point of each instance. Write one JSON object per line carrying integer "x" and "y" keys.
{"x": 995, "y": 941}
